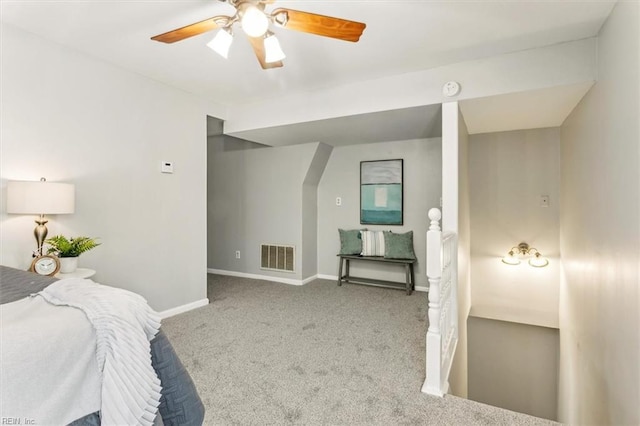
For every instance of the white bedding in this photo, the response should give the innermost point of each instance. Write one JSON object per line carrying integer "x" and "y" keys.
{"x": 76, "y": 348}
{"x": 48, "y": 368}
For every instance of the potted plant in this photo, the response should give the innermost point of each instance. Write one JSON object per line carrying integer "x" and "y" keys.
{"x": 68, "y": 250}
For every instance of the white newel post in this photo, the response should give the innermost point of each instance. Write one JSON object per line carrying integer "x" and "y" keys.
{"x": 434, "y": 337}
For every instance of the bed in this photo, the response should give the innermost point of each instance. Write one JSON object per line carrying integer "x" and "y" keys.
{"x": 40, "y": 339}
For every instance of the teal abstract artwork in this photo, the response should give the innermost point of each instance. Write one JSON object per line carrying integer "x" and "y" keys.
{"x": 381, "y": 192}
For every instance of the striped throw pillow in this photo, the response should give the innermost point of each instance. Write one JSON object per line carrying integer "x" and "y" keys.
{"x": 372, "y": 243}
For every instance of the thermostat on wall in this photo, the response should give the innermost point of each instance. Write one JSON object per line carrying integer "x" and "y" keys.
{"x": 166, "y": 167}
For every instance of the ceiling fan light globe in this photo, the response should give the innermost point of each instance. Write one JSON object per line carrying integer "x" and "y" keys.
{"x": 254, "y": 22}
{"x": 273, "y": 51}
{"x": 221, "y": 43}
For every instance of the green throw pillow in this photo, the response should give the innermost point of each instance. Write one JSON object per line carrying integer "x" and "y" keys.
{"x": 398, "y": 246}
{"x": 350, "y": 241}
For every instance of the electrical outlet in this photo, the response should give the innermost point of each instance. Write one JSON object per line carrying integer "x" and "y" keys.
{"x": 338, "y": 201}
{"x": 237, "y": 254}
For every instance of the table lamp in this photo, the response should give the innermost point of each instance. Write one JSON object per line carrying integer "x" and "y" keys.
{"x": 28, "y": 197}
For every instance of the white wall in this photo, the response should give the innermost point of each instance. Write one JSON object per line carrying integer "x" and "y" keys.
{"x": 532, "y": 69}
{"x": 509, "y": 171}
{"x": 600, "y": 236}
{"x": 455, "y": 217}
{"x": 422, "y": 190}
{"x": 69, "y": 117}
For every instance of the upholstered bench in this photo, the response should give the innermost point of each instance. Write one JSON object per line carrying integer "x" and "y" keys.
{"x": 383, "y": 247}
{"x": 408, "y": 285}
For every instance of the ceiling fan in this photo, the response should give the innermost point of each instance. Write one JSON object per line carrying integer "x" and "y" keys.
{"x": 255, "y": 22}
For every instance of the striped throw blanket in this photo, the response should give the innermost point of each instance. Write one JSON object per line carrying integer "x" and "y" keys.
{"x": 124, "y": 325}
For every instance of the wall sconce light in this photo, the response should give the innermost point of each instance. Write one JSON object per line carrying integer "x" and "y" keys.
{"x": 523, "y": 250}
{"x": 40, "y": 198}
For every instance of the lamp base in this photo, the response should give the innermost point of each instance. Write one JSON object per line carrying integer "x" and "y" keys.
{"x": 40, "y": 232}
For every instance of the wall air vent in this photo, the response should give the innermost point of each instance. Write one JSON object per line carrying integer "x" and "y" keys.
{"x": 277, "y": 257}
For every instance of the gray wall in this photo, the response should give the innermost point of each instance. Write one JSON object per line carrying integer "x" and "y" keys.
{"x": 255, "y": 197}
{"x": 600, "y": 236}
{"x": 514, "y": 366}
{"x": 341, "y": 178}
{"x": 310, "y": 211}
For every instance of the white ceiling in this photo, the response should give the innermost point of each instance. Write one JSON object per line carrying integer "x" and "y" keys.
{"x": 401, "y": 36}
{"x": 523, "y": 110}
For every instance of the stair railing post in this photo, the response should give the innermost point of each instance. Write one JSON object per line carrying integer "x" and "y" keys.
{"x": 432, "y": 384}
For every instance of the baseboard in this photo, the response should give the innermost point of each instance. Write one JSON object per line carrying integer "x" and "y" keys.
{"x": 308, "y": 280}
{"x": 183, "y": 308}
{"x": 289, "y": 281}
{"x": 327, "y": 277}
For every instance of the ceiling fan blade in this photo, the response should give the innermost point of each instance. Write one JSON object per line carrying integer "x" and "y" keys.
{"x": 258, "y": 47}
{"x": 319, "y": 24}
{"x": 189, "y": 30}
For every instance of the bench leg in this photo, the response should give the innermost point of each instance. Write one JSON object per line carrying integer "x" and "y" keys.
{"x": 408, "y": 278}
{"x": 413, "y": 278}
{"x": 340, "y": 271}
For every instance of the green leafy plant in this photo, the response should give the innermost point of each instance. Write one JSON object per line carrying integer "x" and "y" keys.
{"x": 72, "y": 247}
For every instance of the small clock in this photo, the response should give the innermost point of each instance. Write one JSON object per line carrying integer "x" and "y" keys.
{"x": 45, "y": 265}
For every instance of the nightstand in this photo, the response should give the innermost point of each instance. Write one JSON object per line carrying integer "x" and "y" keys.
{"x": 78, "y": 273}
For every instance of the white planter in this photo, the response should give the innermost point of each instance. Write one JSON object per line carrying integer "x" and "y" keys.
{"x": 68, "y": 264}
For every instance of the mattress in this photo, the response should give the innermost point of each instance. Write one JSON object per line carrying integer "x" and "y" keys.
{"x": 180, "y": 403}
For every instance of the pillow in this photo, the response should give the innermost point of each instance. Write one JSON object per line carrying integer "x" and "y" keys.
{"x": 373, "y": 243}
{"x": 350, "y": 242}
{"x": 398, "y": 246}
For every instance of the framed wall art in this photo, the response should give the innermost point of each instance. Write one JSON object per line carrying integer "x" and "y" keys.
{"x": 381, "y": 195}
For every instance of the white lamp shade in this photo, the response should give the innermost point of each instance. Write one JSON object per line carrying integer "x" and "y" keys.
{"x": 221, "y": 43}
{"x": 40, "y": 197}
{"x": 272, "y": 49}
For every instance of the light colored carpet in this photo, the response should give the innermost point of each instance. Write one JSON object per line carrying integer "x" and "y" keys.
{"x": 319, "y": 354}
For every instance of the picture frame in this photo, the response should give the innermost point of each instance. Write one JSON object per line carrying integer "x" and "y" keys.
{"x": 382, "y": 192}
